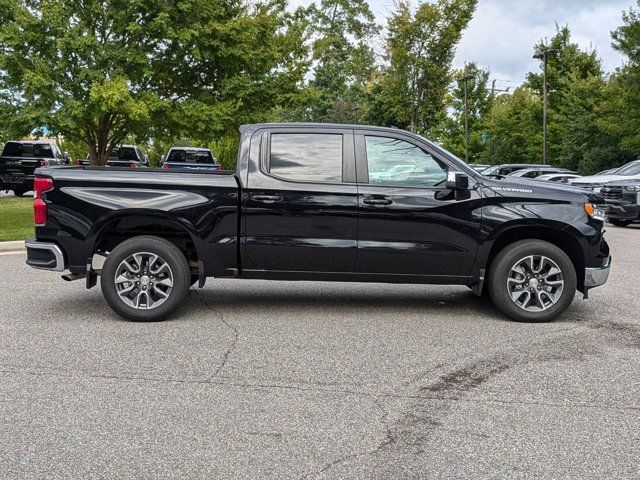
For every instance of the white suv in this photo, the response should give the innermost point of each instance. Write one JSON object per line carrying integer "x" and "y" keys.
{"x": 630, "y": 171}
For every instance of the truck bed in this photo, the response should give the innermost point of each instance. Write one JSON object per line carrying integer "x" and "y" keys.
{"x": 205, "y": 203}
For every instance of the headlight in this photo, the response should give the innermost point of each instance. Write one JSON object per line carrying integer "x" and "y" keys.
{"x": 632, "y": 188}
{"x": 596, "y": 212}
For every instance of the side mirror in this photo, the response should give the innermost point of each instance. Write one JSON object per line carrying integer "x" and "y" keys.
{"x": 457, "y": 181}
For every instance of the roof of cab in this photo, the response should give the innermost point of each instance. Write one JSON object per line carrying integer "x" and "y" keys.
{"x": 255, "y": 126}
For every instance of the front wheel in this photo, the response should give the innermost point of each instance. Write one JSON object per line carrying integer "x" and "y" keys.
{"x": 145, "y": 278}
{"x": 532, "y": 281}
{"x": 19, "y": 192}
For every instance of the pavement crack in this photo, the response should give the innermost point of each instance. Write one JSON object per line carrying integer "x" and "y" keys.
{"x": 234, "y": 330}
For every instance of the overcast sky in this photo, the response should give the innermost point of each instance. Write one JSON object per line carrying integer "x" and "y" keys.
{"x": 502, "y": 33}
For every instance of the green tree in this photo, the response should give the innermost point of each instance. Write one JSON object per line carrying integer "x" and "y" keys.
{"x": 341, "y": 33}
{"x": 512, "y": 126}
{"x": 626, "y": 39}
{"x": 101, "y": 71}
{"x": 420, "y": 47}
{"x": 570, "y": 65}
{"x": 479, "y": 100}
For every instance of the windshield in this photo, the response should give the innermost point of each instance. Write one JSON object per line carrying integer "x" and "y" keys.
{"x": 629, "y": 169}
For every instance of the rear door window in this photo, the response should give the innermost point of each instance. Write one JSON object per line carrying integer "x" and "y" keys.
{"x": 304, "y": 157}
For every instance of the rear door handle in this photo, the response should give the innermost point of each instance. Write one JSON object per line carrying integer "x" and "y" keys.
{"x": 267, "y": 198}
{"x": 377, "y": 201}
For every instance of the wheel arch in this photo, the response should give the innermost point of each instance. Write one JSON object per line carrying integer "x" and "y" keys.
{"x": 128, "y": 224}
{"x": 560, "y": 237}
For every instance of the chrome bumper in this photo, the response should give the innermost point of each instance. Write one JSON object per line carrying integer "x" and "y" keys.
{"x": 594, "y": 277}
{"x": 44, "y": 255}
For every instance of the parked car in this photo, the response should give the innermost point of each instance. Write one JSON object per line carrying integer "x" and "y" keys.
{"x": 537, "y": 171}
{"x": 123, "y": 156}
{"x": 192, "y": 158}
{"x": 623, "y": 201}
{"x": 479, "y": 167}
{"x": 19, "y": 159}
{"x": 630, "y": 171}
{"x": 507, "y": 168}
{"x": 302, "y": 205}
{"x": 558, "y": 177}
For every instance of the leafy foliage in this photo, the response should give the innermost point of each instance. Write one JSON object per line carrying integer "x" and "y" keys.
{"x": 450, "y": 131}
{"x": 410, "y": 90}
{"x": 100, "y": 72}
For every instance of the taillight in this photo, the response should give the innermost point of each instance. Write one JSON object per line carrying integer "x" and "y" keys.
{"x": 132, "y": 165}
{"x": 40, "y": 186}
{"x": 165, "y": 165}
{"x": 43, "y": 163}
{"x": 219, "y": 168}
{"x": 78, "y": 163}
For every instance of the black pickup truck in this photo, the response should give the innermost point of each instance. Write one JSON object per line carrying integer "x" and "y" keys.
{"x": 122, "y": 156}
{"x": 320, "y": 202}
{"x": 19, "y": 160}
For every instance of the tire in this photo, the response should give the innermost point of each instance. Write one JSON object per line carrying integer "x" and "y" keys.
{"x": 19, "y": 192}
{"x": 620, "y": 223}
{"x": 158, "y": 301}
{"x": 541, "y": 305}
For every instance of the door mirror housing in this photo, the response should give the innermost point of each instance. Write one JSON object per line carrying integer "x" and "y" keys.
{"x": 457, "y": 181}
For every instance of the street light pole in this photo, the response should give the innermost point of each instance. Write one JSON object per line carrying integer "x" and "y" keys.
{"x": 543, "y": 56}
{"x": 464, "y": 81}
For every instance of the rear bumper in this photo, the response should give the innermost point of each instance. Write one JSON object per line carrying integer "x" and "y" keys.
{"x": 594, "y": 277}
{"x": 44, "y": 255}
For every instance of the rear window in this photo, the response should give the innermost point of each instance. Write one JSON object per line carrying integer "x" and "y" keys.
{"x": 39, "y": 150}
{"x": 191, "y": 156}
{"x": 123, "y": 153}
{"x": 306, "y": 157}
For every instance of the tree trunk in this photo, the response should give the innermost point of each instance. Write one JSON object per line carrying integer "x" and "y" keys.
{"x": 99, "y": 142}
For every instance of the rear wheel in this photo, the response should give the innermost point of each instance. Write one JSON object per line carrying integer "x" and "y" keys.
{"x": 19, "y": 192}
{"x": 145, "y": 278}
{"x": 532, "y": 281}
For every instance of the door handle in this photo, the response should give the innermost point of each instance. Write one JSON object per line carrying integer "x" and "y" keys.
{"x": 377, "y": 201}
{"x": 267, "y": 198}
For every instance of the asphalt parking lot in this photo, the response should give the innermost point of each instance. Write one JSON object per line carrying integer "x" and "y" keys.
{"x": 258, "y": 379}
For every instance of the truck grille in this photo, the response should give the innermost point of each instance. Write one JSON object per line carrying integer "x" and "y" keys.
{"x": 612, "y": 195}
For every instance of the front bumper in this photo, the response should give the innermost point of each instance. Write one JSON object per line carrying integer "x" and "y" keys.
{"x": 44, "y": 255}
{"x": 623, "y": 210}
{"x": 594, "y": 277}
{"x": 16, "y": 180}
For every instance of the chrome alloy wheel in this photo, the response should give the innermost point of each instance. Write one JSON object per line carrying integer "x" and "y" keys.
{"x": 143, "y": 280}
{"x": 535, "y": 283}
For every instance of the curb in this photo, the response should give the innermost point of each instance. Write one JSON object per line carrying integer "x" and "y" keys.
{"x": 6, "y": 247}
